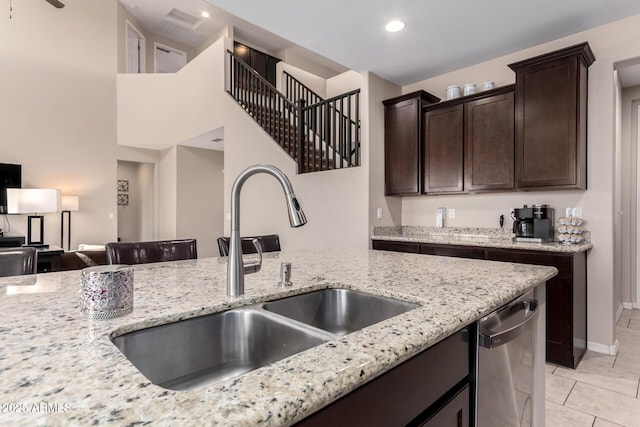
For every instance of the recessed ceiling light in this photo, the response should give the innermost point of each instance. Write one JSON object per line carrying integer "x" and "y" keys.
{"x": 394, "y": 26}
{"x": 205, "y": 14}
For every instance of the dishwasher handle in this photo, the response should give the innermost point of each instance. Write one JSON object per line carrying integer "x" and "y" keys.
{"x": 495, "y": 338}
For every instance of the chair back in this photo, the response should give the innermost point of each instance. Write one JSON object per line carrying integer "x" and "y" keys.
{"x": 147, "y": 252}
{"x": 18, "y": 261}
{"x": 268, "y": 243}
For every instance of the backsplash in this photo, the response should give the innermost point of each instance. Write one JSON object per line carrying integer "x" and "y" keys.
{"x": 458, "y": 232}
{"x": 450, "y": 232}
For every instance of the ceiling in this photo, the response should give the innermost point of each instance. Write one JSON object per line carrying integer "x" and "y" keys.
{"x": 439, "y": 37}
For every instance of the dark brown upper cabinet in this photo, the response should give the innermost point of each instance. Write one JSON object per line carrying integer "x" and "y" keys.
{"x": 489, "y": 143}
{"x": 469, "y": 143}
{"x": 403, "y": 143}
{"x": 551, "y": 119}
{"x": 443, "y": 150}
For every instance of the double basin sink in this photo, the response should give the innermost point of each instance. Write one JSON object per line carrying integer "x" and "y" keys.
{"x": 200, "y": 351}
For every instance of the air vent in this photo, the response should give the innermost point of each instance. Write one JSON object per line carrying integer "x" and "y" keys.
{"x": 216, "y": 140}
{"x": 183, "y": 18}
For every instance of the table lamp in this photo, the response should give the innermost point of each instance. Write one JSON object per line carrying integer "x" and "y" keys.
{"x": 69, "y": 203}
{"x": 34, "y": 201}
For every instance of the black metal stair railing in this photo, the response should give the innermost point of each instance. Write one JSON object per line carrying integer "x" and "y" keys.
{"x": 332, "y": 127}
{"x": 295, "y": 90}
{"x": 321, "y": 136}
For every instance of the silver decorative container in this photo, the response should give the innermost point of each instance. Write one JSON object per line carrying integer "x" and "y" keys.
{"x": 106, "y": 292}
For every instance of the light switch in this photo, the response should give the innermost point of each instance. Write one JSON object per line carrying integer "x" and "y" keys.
{"x": 379, "y": 213}
{"x": 577, "y": 212}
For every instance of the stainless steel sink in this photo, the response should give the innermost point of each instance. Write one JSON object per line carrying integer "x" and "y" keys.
{"x": 196, "y": 352}
{"x": 339, "y": 311}
{"x": 201, "y": 351}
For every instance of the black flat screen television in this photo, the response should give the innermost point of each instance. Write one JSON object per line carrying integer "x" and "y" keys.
{"x": 10, "y": 177}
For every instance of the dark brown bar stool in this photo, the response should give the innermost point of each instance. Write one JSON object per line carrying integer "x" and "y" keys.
{"x": 146, "y": 252}
{"x": 18, "y": 261}
{"x": 268, "y": 243}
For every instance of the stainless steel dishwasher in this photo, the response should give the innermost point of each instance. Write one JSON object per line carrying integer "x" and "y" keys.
{"x": 511, "y": 365}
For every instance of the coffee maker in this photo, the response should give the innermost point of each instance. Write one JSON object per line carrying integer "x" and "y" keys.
{"x": 533, "y": 224}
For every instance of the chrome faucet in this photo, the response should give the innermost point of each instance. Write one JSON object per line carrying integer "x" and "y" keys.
{"x": 236, "y": 268}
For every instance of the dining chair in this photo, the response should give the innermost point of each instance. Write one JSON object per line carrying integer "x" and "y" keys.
{"x": 147, "y": 252}
{"x": 268, "y": 243}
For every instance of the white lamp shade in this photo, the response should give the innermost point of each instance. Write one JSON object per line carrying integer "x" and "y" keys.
{"x": 70, "y": 203}
{"x": 32, "y": 200}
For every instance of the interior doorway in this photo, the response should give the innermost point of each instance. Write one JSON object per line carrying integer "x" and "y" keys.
{"x": 135, "y": 49}
{"x": 137, "y": 201}
{"x": 167, "y": 59}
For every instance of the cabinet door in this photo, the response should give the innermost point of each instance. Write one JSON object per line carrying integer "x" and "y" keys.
{"x": 402, "y": 148}
{"x": 551, "y": 125}
{"x": 489, "y": 143}
{"x": 443, "y": 148}
{"x": 455, "y": 413}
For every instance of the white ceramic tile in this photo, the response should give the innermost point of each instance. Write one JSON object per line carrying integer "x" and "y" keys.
{"x": 629, "y": 362}
{"x": 604, "y": 423}
{"x": 561, "y": 416}
{"x": 596, "y": 360}
{"x": 634, "y": 324}
{"x": 615, "y": 407}
{"x": 557, "y": 388}
{"x": 549, "y": 368}
{"x": 607, "y": 378}
{"x": 628, "y": 340}
{"x": 623, "y": 322}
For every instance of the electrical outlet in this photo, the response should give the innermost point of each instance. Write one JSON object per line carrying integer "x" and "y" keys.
{"x": 577, "y": 212}
{"x": 440, "y": 215}
{"x": 452, "y": 213}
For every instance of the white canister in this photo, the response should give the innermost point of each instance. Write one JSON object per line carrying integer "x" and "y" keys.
{"x": 488, "y": 85}
{"x": 469, "y": 88}
{"x": 106, "y": 292}
{"x": 453, "y": 92}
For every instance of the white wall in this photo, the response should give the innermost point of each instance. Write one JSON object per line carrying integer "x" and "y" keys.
{"x": 610, "y": 43}
{"x": 336, "y": 202}
{"x": 200, "y": 198}
{"x": 57, "y": 105}
{"x": 137, "y": 220}
{"x": 150, "y": 39}
{"x": 130, "y": 215}
{"x": 629, "y": 152}
{"x": 379, "y": 90}
{"x": 168, "y": 194}
{"x": 312, "y": 81}
{"x": 343, "y": 83}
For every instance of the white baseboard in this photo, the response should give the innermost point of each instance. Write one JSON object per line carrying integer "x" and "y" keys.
{"x": 621, "y": 308}
{"x": 603, "y": 348}
{"x": 630, "y": 305}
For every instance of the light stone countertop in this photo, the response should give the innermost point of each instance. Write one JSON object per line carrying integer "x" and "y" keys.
{"x": 483, "y": 237}
{"x": 58, "y": 369}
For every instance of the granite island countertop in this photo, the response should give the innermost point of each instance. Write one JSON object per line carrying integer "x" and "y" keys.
{"x": 479, "y": 237}
{"x": 57, "y": 368}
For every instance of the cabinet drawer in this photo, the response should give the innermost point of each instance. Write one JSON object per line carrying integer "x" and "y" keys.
{"x": 402, "y": 394}
{"x": 386, "y": 245}
{"x": 561, "y": 261}
{"x": 454, "y": 413}
{"x": 452, "y": 251}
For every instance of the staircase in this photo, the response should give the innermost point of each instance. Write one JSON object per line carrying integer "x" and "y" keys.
{"x": 321, "y": 136}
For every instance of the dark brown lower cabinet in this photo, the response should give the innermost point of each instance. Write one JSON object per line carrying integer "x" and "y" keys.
{"x": 566, "y": 330}
{"x": 455, "y": 413}
{"x": 566, "y": 301}
{"x": 430, "y": 389}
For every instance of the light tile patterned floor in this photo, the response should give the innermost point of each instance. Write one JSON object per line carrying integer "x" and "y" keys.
{"x": 604, "y": 390}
